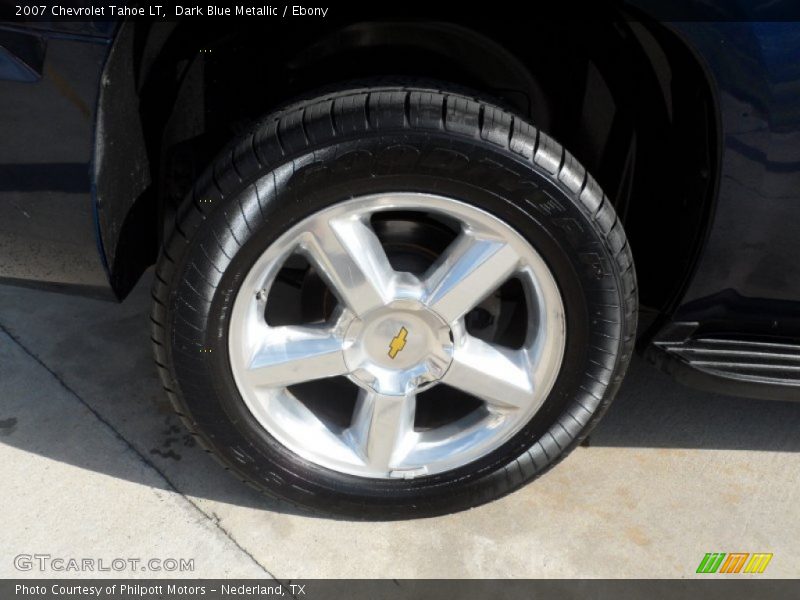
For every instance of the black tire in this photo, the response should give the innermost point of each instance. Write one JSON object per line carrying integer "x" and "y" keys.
{"x": 362, "y": 141}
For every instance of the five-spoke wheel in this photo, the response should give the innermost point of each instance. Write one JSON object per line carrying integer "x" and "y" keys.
{"x": 394, "y": 334}
{"x": 393, "y": 301}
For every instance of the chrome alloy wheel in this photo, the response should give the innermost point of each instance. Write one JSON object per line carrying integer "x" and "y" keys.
{"x": 395, "y": 335}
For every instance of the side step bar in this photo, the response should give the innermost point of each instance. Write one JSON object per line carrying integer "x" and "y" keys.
{"x": 738, "y": 367}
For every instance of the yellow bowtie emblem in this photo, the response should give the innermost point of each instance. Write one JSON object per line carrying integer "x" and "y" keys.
{"x": 398, "y": 342}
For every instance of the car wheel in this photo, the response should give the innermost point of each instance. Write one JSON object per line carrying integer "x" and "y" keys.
{"x": 393, "y": 302}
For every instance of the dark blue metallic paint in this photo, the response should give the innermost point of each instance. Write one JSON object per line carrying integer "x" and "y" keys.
{"x": 752, "y": 254}
{"x": 47, "y": 232}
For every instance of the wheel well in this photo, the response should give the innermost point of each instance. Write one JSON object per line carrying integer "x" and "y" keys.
{"x": 625, "y": 96}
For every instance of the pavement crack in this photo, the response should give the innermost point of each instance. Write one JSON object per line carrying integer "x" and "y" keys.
{"x": 141, "y": 456}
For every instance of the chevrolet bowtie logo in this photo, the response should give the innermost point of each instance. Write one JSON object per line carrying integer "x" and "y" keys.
{"x": 398, "y": 342}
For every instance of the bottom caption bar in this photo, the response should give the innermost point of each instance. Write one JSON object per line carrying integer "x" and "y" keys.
{"x": 389, "y": 589}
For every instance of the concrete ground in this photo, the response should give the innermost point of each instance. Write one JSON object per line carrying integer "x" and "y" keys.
{"x": 94, "y": 465}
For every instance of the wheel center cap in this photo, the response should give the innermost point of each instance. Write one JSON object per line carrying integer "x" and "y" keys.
{"x": 397, "y": 348}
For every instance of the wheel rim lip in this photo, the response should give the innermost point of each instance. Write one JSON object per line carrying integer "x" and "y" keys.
{"x": 443, "y": 449}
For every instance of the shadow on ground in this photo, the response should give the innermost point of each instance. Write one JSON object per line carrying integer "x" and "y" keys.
{"x": 100, "y": 352}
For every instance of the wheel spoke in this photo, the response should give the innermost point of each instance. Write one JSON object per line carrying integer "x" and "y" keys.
{"x": 469, "y": 270}
{"x": 382, "y": 430}
{"x": 294, "y": 354}
{"x": 498, "y": 376}
{"x": 351, "y": 258}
